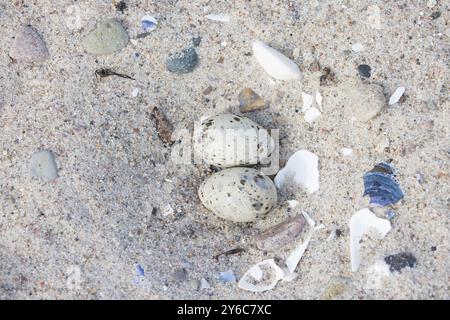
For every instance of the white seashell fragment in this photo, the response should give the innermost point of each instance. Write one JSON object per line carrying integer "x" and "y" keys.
{"x": 218, "y": 17}
{"x": 255, "y": 277}
{"x": 312, "y": 114}
{"x": 357, "y": 47}
{"x": 397, "y": 95}
{"x": 360, "y": 223}
{"x": 295, "y": 256}
{"x": 302, "y": 166}
{"x": 275, "y": 63}
{"x": 292, "y": 203}
{"x": 346, "y": 151}
{"x": 319, "y": 100}
{"x": 307, "y": 101}
{"x": 204, "y": 284}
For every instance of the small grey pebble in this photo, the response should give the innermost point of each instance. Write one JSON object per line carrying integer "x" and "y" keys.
{"x": 43, "y": 166}
{"x": 180, "y": 275}
{"x": 183, "y": 62}
{"x": 400, "y": 260}
{"x": 196, "y": 41}
{"x": 364, "y": 71}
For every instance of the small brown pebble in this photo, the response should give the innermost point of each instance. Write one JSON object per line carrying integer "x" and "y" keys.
{"x": 250, "y": 101}
{"x": 207, "y": 91}
{"x": 281, "y": 234}
{"x": 163, "y": 126}
{"x": 221, "y": 60}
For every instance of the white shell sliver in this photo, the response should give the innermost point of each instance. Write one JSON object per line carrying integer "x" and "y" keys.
{"x": 302, "y": 167}
{"x": 397, "y": 95}
{"x": 255, "y": 273}
{"x": 360, "y": 223}
{"x": 275, "y": 63}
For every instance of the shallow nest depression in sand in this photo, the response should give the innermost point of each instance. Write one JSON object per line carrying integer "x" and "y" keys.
{"x": 122, "y": 221}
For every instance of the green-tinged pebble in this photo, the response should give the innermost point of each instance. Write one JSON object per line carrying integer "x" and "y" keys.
{"x": 107, "y": 37}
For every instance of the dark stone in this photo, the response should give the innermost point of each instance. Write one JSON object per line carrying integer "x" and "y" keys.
{"x": 364, "y": 71}
{"x": 196, "y": 41}
{"x": 400, "y": 260}
{"x": 121, "y": 6}
{"x": 183, "y": 62}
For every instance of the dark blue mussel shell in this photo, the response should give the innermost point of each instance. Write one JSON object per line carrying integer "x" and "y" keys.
{"x": 380, "y": 185}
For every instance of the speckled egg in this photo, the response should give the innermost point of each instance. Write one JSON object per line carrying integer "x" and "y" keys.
{"x": 229, "y": 140}
{"x": 238, "y": 194}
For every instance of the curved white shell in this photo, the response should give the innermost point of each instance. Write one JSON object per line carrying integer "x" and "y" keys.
{"x": 238, "y": 194}
{"x": 302, "y": 167}
{"x": 275, "y": 63}
{"x": 230, "y": 140}
{"x": 360, "y": 223}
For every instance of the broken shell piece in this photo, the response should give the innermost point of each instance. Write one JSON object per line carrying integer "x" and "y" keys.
{"x": 380, "y": 185}
{"x": 148, "y": 23}
{"x": 275, "y": 63}
{"x": 218, "y": 17}
{"x": 29, "y": 46}
{"x": 396, "y": 96}
{"x": 357, "y": 47}
{"x": 292, "y": 203}
{"x": 204, "y": 284}
{"x": 249, "y": 100}
{"x": 346, "y": 151}
{"x": 319, "y": 100}
{"x": 227, "y": 276}
{"x": 281, "y": 234}
{"x": 360, "y": 223}
{"x": 261, "y": 277}
{"x": 295, "y": 256}
{"x": 302, "y": 167}
{"x": 307, "y": 101}
{"x": 312, "y": 114}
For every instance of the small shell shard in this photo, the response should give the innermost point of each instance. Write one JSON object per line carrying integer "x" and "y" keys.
{"x": 302, "y": 166}
{"x": 227, "y": 276}
{"x": 380, "y": 185}
{"x": 396, "y": 96}
{"x": 312, "y": 114}
{"x": 360, "y": 223}
{"x": 295, "y": 256}
{"x": 218, "y": 17}
{"x": 261, "y": 277}
{"x": 275, "y": 63}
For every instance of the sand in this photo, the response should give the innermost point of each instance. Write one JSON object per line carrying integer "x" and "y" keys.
{"x": 82, "y": 235}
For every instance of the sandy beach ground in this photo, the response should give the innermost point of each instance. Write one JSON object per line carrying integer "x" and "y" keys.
{"x": 82, "y": 235}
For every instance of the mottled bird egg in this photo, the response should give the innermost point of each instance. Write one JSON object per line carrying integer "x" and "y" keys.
{"x": 238, "y": 194}
{"x": 229, "y": 140}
